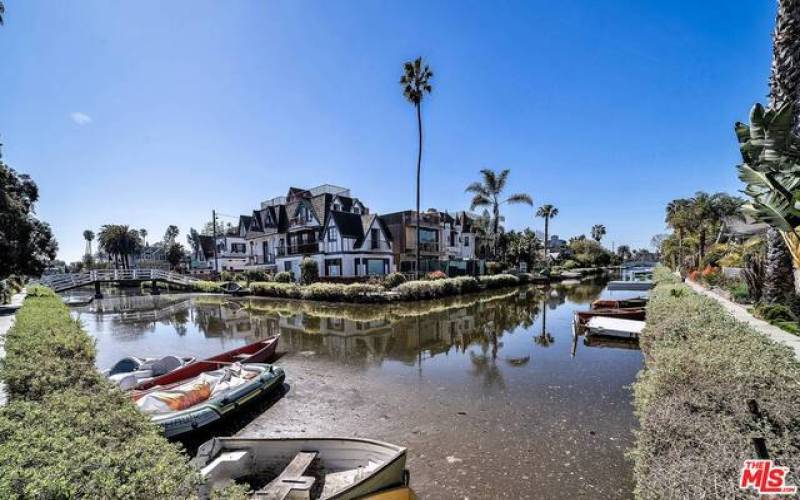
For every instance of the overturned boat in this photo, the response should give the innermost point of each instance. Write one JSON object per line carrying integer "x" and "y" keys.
{"x": 318, "y": 468}
{"x": 198, "y": 400}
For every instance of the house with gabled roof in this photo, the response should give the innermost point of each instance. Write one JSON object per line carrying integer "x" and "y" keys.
{"x": 325, "y": 223}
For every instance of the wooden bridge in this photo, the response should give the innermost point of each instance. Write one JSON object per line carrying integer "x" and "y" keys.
{"x": 63, "y": 282}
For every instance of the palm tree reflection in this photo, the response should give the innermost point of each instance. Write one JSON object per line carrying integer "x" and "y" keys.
{"x": 544, "y": 339}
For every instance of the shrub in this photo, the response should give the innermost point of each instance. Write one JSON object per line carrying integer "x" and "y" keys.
{"x": 525, "y": 278}
{"x": 739, "y": 291}
{"x": 309, "y": 270}
{"x": 493, "y": 267}
{"x": 46, "y": 350}
{"x": 284, "y": 277}
{"x": 394, "y": 279}
{"x": 702, "y": 367}
{"x": 232, "y": 276}
{"x": 570, "y": 264}
{"x": 66, "y": 432}
{"x": 435, "y": 275}
{"x": 775, "y": 312}
{"x": 207, "y": 286}
{"x": 256, "y": 275}
{"x": 276, "y": 289}
{"x": 499, "y": 281}
{"x": 424, "y": 289}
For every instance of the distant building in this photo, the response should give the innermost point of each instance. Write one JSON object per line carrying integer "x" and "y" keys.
{"x": 446, "y": 242}
{"x": 324, "y": 223}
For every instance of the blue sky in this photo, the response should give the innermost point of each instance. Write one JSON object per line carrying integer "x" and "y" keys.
{"x": 152, "y": 113}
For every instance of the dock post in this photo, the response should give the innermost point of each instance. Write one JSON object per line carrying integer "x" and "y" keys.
{"x": 97, "y": 293}
{"x": 154, "y": 288}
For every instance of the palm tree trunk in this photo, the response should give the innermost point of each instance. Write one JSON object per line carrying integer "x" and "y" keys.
{"x": 784, "y": 86}
{"x": 778, "y": 276}
{"x": 495, "y": 227}
{"x": 546, "y": 240}
{"x": 419, "y": 168}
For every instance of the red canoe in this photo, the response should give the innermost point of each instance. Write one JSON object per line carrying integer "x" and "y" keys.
{"x": 585, "y": 316}
{"x": 257, "y": 352}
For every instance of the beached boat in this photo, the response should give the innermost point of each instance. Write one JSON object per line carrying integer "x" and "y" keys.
{"x": 319, "y": 468}
{"x": 257, "y": 352}
{"x": 583, "y": 317}
{"x": 131, "y": 371}
{"x": 614, "y": 327}
{"x": 202, "y": 399}
{"x": 629, "y": 285}
{"x": 619, "y": 303}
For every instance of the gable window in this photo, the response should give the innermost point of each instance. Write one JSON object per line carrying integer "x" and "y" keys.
{"x": 333, "y": 234}
{"x": 466, "y": 241}
{"x": 375, "y": 236}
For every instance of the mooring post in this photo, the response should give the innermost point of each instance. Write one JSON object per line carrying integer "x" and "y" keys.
{"x": 97, "y": 293}
{"x": 154, "y": 288}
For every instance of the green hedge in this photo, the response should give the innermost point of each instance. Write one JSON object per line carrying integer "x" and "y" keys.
{"x": 702, "y": 367}
{"x": 426, "y": 289}
{"x": 499, "y": 280}
{"x": 66, "y": 431}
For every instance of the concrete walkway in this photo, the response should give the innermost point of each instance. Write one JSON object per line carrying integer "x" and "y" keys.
{"x": 6, "y": 321}
{"x": 740, "y": 313}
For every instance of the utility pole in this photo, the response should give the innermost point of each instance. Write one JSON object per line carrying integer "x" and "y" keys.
{"x": 214, "y": 230}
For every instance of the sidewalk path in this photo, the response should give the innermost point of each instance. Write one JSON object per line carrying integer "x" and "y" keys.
{"x": 740, "y": 313}
{"x": 6, "y": 321}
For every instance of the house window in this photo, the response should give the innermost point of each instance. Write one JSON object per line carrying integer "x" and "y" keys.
{"x": 356, "y": 210}
{"x": 375, "y": 236}
{"x": 466, "y": 241}
{"x": 333, "y": 267}
{"x": 376, "y": 266}
{"x": 333, "y": 234}
{"x": 287, "y": 266}
{"x": 357, "y": 266}
{"x": 337, "y": 207}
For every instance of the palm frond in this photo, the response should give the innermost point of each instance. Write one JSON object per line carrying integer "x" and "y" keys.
{"x": 502, "y": 179}
{"x": 477, "y": 188}
{"x": 479, "y": 200}
{"x": 520, "y": 198}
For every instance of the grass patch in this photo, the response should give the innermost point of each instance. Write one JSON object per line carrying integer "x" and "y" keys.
{"x": 66, "y": 431}
{"x": 702, "y": 367}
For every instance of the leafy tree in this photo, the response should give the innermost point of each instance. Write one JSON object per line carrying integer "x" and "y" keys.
{"x": 547, "y": 212}
{"x": 170, "y": 235}
{"x": 88, "y": 235}
{"x": 598, "y": 231}
{"x": 416, "y": 83}
{"x": 193, "y": 239}
{"x": 208, "y": 228}
{"x": 522, "y": 247}
{"x": 120, "y": 242}
{"x": 488, "y": 193}
{"x": 624, "y": 252}
{"x": 26, "y": 243}
{"x": 175, "y": 254}
{"x": 589, "y": 252}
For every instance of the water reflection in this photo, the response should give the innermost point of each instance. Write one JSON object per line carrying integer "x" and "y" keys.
{"x": 362, "y": 335}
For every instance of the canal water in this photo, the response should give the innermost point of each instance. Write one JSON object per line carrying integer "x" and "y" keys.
{"x": 491, "y": 393}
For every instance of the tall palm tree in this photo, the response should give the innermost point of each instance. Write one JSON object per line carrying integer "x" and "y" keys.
{"x": 416, "y": 83}
{"x": 143, "y": 234}
{"x": 488, "y": 193}
{"x": 88, "y": 235}
{"x": 784, "y": 87}
{"x": 546, "y": 211}
{"x": 2, "y": 11}
{"x": 598, "y": 231}
{"x": 120, "y": 242}
{"x": 193, "y": 239}
{"x": 679, "y": 218}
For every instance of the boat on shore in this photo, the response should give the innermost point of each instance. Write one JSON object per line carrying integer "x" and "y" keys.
{"x": 257, "y": 352}
{"x": 130, "y": 371}
{"x": 614, "y": 327}
{"x": 199, "y": 400}
{"x": 619, "y": 303}
{"x": 583, "y": 317}
{"x": 318, "y": 468}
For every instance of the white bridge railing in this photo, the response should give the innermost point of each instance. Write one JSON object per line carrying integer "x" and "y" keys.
{"x": 59, "y": 282}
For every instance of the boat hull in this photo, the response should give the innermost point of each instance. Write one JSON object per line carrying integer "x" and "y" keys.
{"x": 201, "y": 415}
{"x": 335, "y": 454}
{"x": 257, "y": 352}
{"x": 619, "y": 304}
{"x": 583, "y": 317}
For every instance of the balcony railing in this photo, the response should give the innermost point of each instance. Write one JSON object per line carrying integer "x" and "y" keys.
{"x": 303, "y": 248}
{"x": 428, "y": 247}
{"x": 261, "y": 260}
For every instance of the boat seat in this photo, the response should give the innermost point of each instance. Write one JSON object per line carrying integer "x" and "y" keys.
{"x": 291, "y": 483}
